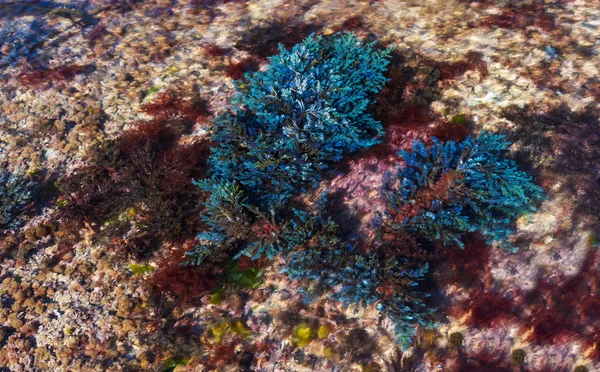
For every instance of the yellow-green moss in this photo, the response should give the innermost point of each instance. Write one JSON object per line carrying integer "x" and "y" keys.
{"x": 303, "y": 334}
{"x": 238, "y": 328}
{"x": 141, "y": 269}
{"x": 329, "y": 352}
{"x": 234, "y": 326}
{"x": 323, "y": 332}
{"x": 218, "y": 330}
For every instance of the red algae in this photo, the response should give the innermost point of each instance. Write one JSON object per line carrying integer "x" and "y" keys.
{"x": 351, "y": 24}
{"x": 469, "y": 269}
{"x": 170, "y": 104}
{"x": 141, "y": 178}
{"x": 237, "y": 70}
{"x": 177, "y": 166}
{"x": 221, "y": 354}
{"x": 519, "y": 18}
{"x": 563, "y": 309}
{"x": 402, "y": 119}
{"x": 472, "y": 60}
{"x": 157, "y": 133}
{"x": 486, "y": 360}
{"x": 557, "y": 310}
{"x": 187, "y": 285}
{"x": 214, "y": 51}
{"x": 63, "y": 73}
{"x": 403, "y": 104}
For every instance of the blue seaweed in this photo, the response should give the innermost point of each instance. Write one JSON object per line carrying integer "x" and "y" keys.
{"x": 487, "y": 192}
{"x": 289, "y": 122}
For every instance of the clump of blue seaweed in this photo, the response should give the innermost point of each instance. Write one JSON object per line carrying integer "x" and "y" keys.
{"x": 288, "y": 123}
{"x": 307, "y": 110}
{"x": 449, "y": 189}
{"x": 14, "y": 193}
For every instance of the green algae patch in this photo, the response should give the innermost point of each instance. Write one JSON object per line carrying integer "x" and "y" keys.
{"x": 219, "y": 330}
{"x": 246, "y": 279}
{"x": 171, "y": 363}
{"x": 235, "y": 277}
{"x": 217, "y": 296}
{"x": 141, "y": 269}
{"x": 153, "y": 89}
{"x": 62, "y": 203}
{"x": 241, "y": 278}
{"x": 458, "y": 119}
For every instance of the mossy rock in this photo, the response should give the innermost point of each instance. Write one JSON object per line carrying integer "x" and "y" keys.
{"x": 370, "y": 367}
{"x": 592, "y": 240}
{"x": 518, "y": 356}
{"x": 456, "y": 339}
